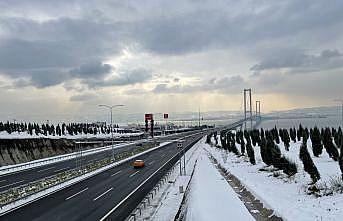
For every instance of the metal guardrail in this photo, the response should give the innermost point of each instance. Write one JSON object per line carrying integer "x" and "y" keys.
{"x": 125, "y": 207}
{"x": 26, "y": 190}
{"x": 42, "y": 162}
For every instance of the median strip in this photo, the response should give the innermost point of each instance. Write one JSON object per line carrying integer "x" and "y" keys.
{"x": 17, "y": 197}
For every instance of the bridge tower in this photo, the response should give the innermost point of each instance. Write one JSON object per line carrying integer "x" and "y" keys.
{"x": 247, "y": 102}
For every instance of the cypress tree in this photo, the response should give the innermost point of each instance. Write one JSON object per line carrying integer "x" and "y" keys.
{"x": 251, "y": 153}
{"x": 264, "y": 152}
{"x": 309, "y": 166}
{"x": 317, "y": 146}
{"x": 242, "y": 144}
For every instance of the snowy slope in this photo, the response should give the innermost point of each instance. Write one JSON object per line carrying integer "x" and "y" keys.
{"x": 211, "y": 197}
{"x": 287, "y": 196}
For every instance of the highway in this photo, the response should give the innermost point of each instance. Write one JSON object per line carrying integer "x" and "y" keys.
{"x": 26, "y": 176}
{"x": 93, "y": 198}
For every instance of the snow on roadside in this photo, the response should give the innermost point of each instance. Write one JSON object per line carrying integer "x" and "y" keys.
{"x": 286, "y": 196}
{"x": 166, "y": 203}
{"x": 26, "y": 135}
{"x": 211, "y": 197}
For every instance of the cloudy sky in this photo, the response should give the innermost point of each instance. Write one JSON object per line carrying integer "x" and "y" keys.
{"x": 67, "y": 56}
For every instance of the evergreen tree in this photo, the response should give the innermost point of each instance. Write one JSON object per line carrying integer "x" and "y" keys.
{"x": 317, "y": 146}
{"x": 242, "y": 142}
{"x": 309, "y": 166}
{"x": 251, "y": 153}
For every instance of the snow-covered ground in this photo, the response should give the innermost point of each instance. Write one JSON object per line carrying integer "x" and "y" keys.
{"x": 25, "y": 135}
{"x": 287, "y": 196}
{"x": 211, "y": 197}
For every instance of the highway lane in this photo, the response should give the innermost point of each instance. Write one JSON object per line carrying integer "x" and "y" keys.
{"x": 91, "y": 199}
{"x": 26, "y": 176}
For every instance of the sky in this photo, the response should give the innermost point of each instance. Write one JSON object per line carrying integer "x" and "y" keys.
{"x": 68, "y": 56}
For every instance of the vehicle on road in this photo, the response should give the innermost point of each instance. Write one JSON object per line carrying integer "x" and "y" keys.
{"x": 138, "y": 164}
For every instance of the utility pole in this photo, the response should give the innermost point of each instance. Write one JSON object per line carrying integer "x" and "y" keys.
{"x": 111, "y": 111}
{"x": 181, "y": 149}
{"x": 199, "y": 117}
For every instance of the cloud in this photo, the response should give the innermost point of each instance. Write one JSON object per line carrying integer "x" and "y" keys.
{"x": 300, "y": 62}
{"x": 92, "y": 70}
{"x": 83, "y": 97}
{"x": 122, "y": 78}
{"x": 226, "y": 84}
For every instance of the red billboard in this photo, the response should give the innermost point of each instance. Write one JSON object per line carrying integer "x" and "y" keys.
{"x": 148, "y": 117}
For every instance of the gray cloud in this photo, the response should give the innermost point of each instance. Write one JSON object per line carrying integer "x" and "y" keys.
{"x": 302, "y": 63}
{"x": 46, "y": 43}
{"x": 92, "y": 70}
{"x": 83, "y": 97}
{"x": 226, "y": 84}
{"x": 123, "y": 77}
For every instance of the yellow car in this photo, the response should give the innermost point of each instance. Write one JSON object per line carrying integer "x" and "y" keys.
{"x": 138, "y": 164}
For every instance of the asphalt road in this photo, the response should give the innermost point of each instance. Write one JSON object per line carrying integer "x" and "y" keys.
{"x": 92, "y": 198}
{"x": 26, "y": 176}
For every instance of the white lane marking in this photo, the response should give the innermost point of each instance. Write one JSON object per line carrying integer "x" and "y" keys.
{"x": 116, "y": 173}
{"x": 2, "y": 181}
{"x": 130, "y": 194}
{"x": 163, "y": 155}
{"x": 12, "y": 183}
{"x": 45, "y": 169}
{"x": 134, "y": 173}
{"x": 152, "y": 162}
{"x": 68, "y": 198}
{"x": 103, "y": 194}
{"x": 61, "y": 169}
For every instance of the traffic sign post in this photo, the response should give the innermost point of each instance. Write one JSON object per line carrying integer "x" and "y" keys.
{"x": 182, "y": 162}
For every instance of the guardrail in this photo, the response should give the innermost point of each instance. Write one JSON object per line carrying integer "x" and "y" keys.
{"x": 26, "y": 190}
{"x": 46, "y": 161}
{"x": 122, "y": 210}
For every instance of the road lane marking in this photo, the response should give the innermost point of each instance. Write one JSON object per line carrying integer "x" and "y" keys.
{"x": 77, "y": 193}
{"x": 116, "y": 173}
{"x": 12, "y": 183}
{"x": 130, "y": 194}
{"x": 61, "y": 169}
{"x": 103, "y": 194}
{"x": 152, "y": 162}
{"x": 45, "y": 169}
{"x": 2, "y": 181}
{"x": 134, "y": 173}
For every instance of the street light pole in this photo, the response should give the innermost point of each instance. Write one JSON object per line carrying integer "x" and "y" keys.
{"x": 111, "y": 111}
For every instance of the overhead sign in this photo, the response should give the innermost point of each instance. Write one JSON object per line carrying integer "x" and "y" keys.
{"x": 165, "y": 116}
{"x": 148, "y": 116}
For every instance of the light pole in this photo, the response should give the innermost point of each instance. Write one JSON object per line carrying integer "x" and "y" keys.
{"x": 111, "y": 111}
{"x": 341, "y": 101}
